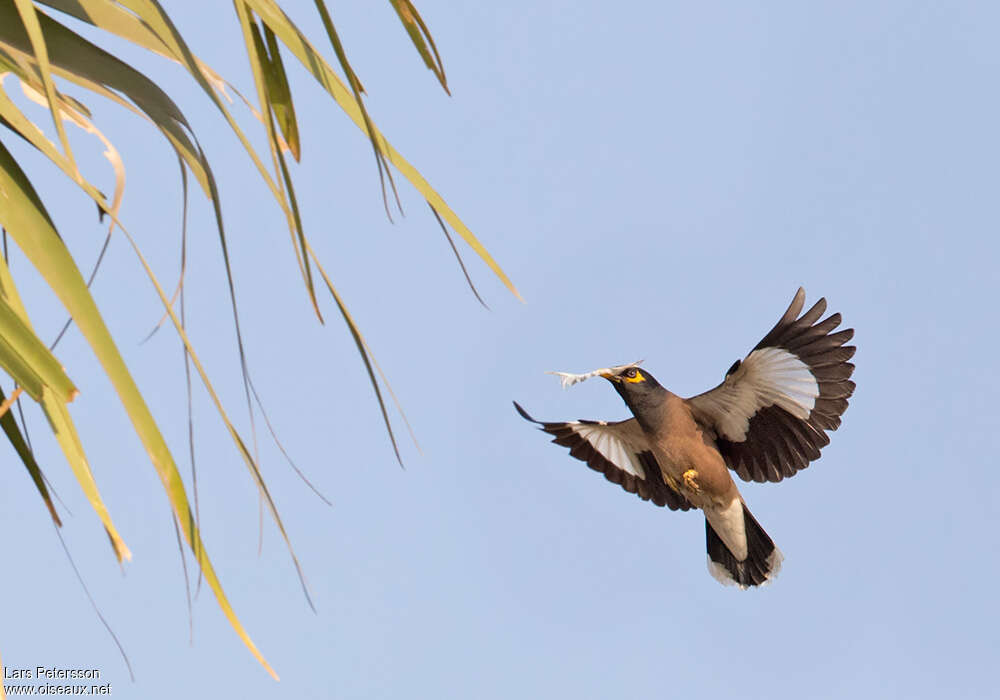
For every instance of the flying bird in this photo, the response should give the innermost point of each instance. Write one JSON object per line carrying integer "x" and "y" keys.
{"x": 767, "y": 420}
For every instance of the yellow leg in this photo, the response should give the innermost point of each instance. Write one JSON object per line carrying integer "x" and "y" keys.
{"x": 689, "y": 479}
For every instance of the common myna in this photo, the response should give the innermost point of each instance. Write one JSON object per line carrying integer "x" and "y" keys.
{"x": 765, "y": 421}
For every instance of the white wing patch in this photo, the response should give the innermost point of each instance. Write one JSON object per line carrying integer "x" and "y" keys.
{"x": 611, "y": 447}
{"x": 568, "y": 379}
{"x": 769, "y": 376}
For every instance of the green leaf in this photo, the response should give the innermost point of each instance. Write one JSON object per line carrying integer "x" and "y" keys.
{"x": 20, "y": 347}
{"x": 69, "y": 440}
{"x": 261, "y": 66}
{"x": 54, "y": 407}
{"x": 11, "y": 297}
{"x": 280, "y": 95}
{"x": 362, "y": 346}
{"x": 17, "y": 441}
{"x": 284, "y": 29}
{"x": 357, "y": 89}
{"x": 15, "y": 120}
{"x": 22, "y": 214}
{"x": 421, "y": 38}
{"x": 74, "y": 58}
{"x": 21, "y": 371}
{"x": 241, "y": 446}
{"x": 29, "y": 18}
{"x": 43, "y": 145}
{"x": 149, "y": 27}
{"x": 113, "y": 18}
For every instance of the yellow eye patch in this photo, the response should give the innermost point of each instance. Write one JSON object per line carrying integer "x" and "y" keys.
{"x": 636, "y": 379}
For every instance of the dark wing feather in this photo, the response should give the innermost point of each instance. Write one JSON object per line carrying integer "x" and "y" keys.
{"x": 620, "y": 452}
{"x": 770, "y": 415}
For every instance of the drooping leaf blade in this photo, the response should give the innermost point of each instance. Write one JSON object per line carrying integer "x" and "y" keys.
{"x": 260, "y": 64}
{"x": 57, "y": 158}
{"x": 76, "y": 59}
{"x": 19, "y": 211}
{"x": 280, "y": 95}
{"x": 311, "y": 59}
{"x": 384, "y": 171}
{"x": 421, "y": 38}
{"x": 31, "y": 25}
{"x": 16, "y": 439}
{"x": 22, "y": 214}
{"x": 69, "y": 440}
{"x": 20, "y": 345}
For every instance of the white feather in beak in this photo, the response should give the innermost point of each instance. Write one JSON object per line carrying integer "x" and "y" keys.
{"x": 568, "y": 379}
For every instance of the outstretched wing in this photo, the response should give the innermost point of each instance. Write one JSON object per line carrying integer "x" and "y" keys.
{"x": 770, "y": 415}
{"x": 619, "y": 451}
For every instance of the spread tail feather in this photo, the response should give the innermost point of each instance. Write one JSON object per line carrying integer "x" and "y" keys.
{"x": 762, "y": 563}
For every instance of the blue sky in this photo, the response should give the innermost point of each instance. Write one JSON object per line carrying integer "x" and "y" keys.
{"x": 657, "y": 181}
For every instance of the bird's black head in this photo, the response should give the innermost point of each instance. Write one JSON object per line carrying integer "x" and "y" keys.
{"x": 639, "y": 389}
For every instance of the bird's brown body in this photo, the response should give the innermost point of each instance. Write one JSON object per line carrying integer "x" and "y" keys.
{"x": 688, "y": 458}
{"x": 692, "y": 465}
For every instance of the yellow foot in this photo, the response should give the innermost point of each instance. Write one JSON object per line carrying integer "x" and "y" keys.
{"x": 689, "y": 479}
